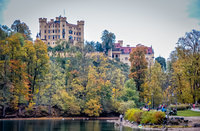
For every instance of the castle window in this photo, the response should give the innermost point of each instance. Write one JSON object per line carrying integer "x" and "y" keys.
{"x": 63, "y": 36}
{"x": 45, "y": 37}
{"x": 49, "y": 37}
{"x": 63, "y": 25}
{"x": 55, "y": 25}
{"x": 53, "y": 37}
{"x": 77, "y": 38}
{"x": 70, "y": 38}
{"x": 74, "y": 33}
{"x": 48, "y": 43}
{"x": 49, "y": 31}
{"x": 45, "y": 26}
{"x": 45, "y": 31}
{"x": 58, "y": 31}
{"x": 53, "y": 31}
{"x": 74, "y": 38}
{"x": 79, "y": 33}
{"x": 70, "y": 31}
{"x": 126, "y": 58}
{"x": 49, "y": 27}
{"x": 58, "y": 36}
{"x": 63, "y": 31}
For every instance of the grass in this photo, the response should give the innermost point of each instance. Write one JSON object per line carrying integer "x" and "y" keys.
{"x": 188, "y": 113}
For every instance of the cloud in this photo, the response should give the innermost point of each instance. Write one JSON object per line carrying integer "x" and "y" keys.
{"x": 194, "y": 9}
{"x": 3, "y": 5}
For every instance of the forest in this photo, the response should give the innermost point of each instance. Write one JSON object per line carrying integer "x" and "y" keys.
{"x": 80, "y": 80}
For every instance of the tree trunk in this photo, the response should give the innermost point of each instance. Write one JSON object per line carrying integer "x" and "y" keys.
{"x": 4, "y": 111}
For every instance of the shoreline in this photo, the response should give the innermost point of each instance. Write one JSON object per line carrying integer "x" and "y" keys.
{"x": 135, "y": 126}
{"x": 63, "y": 118}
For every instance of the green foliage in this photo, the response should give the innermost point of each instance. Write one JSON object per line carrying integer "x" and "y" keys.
{"x": 22, "y": 28}
{"x": 124, "y": 106}
{"x": 162, "y": 62}
{"x": 147, "y": 117}
{"x": 130, "y": 92}
{"x": 108, "y": 39}
{"x": 180, "y": 107}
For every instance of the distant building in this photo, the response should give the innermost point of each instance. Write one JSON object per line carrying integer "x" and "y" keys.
{"x": 60, "y": 29}
{"x": 123, "y": 53}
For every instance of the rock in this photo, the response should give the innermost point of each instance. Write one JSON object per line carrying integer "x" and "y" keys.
{"x": 196, "y": 125}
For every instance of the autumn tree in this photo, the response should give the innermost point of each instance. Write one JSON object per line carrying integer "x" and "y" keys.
{"x": 188, "y": 52}
{"x": 152, "y": 85}
{"x": 14, "y": 78}
{"x": 138, "y": 65}
{"x": 37, "y": 59}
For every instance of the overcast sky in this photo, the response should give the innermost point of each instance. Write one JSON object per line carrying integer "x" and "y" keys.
{"x": 150, "y": 22}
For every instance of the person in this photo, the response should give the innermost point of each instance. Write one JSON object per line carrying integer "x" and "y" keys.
{"x": 194, "y": 106}
{"x": 121, "y": 117}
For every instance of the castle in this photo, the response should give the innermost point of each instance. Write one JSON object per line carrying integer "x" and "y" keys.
{"x": 60, "y": 29}
{"x": 123, "y": 53}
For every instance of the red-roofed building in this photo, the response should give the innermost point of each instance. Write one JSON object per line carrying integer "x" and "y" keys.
{"x": 122, "y": 53}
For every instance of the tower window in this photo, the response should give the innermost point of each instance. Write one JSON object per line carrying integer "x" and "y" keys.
{"x": 70, "y": 31}
{"x": 49, "y": 37}
{"x": 70, "y": 38}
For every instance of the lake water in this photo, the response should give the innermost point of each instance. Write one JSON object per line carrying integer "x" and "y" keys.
{"x": 60, "y": 125}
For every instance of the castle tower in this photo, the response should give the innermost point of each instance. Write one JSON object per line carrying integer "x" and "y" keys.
{"x": 42, "y": 25}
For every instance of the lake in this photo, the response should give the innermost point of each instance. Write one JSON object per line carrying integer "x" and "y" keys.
{"x": 60, "y": 125}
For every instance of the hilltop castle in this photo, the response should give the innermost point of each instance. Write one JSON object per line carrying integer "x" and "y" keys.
{"x": 60, "y": 29}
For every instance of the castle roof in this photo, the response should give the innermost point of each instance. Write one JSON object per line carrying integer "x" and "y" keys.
{"x": 128, "y": 49}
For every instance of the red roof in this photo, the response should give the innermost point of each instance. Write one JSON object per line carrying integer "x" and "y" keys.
{"x": 127, "y": 50}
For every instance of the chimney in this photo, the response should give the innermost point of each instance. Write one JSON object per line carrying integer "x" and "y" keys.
{"x": 120, "y": 42}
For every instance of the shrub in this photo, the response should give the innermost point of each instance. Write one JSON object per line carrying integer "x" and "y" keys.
{"x": 145, "y": 117}
{"x": 137, "y": 116}
{"x": 180, "y": 107}
{"x": 158, "y": 117}
{"x": 129, "y": 114}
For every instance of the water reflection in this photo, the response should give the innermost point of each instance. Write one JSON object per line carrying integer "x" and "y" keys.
{"x": 60, "y": 125}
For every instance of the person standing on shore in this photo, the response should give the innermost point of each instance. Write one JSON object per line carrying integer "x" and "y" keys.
{"x": 121, "y": 117}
